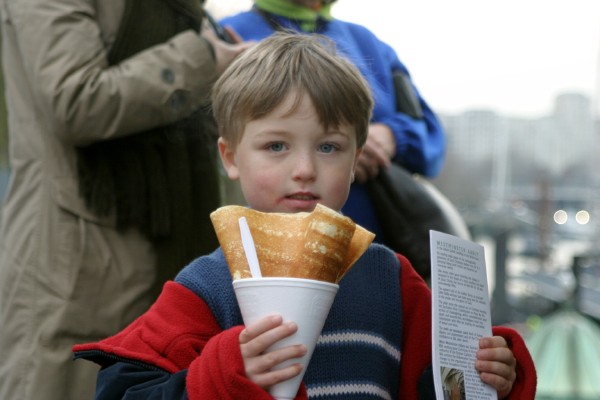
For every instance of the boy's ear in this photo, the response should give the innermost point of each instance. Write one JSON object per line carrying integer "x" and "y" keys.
{"x": 227, "y": 153}
{"x": 358, "y": 151}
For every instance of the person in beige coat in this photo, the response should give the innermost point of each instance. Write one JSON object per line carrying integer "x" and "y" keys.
{"x": 96, "y": 92}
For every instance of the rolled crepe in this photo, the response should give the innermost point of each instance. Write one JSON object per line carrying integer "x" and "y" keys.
{"x": 320, "y": 245}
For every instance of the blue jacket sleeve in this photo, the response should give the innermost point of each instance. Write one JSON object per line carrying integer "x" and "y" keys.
{"x": 127, "y": 381}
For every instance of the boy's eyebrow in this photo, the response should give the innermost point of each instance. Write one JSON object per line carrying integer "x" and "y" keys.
{"x": 337, "y": 131}
{"x": 284, "y": 132}
{"x": 273, "y": 131}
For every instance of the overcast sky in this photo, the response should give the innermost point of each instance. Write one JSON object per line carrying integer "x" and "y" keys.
{"x": 511, "y": 56}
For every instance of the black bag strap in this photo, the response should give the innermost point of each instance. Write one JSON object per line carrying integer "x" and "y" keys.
{"x": 406, "y": 98}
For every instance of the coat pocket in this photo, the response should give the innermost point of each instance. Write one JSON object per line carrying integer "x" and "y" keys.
{"x": 65, "y": 193}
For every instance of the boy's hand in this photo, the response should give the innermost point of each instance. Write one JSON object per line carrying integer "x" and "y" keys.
{"x": 256, "y": 338}
{"x": 496, "y": 364}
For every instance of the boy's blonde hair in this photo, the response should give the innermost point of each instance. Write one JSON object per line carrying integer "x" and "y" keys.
{"x": 259, "y": 79}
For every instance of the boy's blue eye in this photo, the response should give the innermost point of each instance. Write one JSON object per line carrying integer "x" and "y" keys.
{"x": 327, "y": 148}
{"x": 276, "y": 147}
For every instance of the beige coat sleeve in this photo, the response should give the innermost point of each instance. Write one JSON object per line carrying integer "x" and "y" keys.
{"x": 85, "y": 100}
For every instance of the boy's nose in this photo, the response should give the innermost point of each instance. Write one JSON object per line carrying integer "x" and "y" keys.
{"x": 304, "y": 168}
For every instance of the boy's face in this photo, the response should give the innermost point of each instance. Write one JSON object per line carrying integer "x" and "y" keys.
{"x": 287, "y": 162}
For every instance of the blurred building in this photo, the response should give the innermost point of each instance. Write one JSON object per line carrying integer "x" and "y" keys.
{"x": 552, "y": 142}
{"x": 543, "y": 163}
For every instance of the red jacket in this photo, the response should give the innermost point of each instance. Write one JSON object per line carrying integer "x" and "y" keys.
{"x": 179, "y": 332}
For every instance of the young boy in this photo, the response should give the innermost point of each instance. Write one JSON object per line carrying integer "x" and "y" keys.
{"x": 293, "y": 117}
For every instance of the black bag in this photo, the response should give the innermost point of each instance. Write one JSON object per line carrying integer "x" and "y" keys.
{"x": 408, "y": 206}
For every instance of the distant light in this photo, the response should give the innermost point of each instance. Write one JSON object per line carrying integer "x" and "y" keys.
{"x": 582, "y": 217}
{"x": 561, "y": 217}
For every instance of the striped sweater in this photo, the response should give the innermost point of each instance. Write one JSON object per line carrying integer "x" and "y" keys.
{"x": 358, "y": 353}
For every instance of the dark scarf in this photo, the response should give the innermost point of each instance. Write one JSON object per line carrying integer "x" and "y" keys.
{"x": 164, "y": 181}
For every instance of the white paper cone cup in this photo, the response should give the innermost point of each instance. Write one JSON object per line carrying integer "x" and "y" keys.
{"x": 303, "y": 301}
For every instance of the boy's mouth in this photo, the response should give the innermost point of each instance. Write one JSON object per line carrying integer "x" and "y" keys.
{"x": 302, "y": 196}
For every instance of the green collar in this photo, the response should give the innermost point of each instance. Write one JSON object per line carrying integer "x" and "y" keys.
{"x": 306, "y": 17}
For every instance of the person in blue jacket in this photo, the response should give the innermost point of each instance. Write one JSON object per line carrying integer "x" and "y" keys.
{"x": 403, "y": 129}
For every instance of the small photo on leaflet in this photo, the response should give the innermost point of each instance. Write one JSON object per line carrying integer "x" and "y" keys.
{"x": 453, "y": 383}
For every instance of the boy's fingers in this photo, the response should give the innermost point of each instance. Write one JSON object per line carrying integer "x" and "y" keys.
{"x": 490, "y": 342}
{"x": 271, "y": 378}
{"x": 496, "y": 364}
{"x": 496, "y": 368}
{"x": 258, "y": 364}
{"x": 496, "y": 349}
{"x": 267, "y": 338}
{"x": 503, "y": 386}
{"x": 259, "y": 327}
{"x": 497, "y": 354}
{"x": 267, "y": 361}
{"x": 499, "y": 375}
